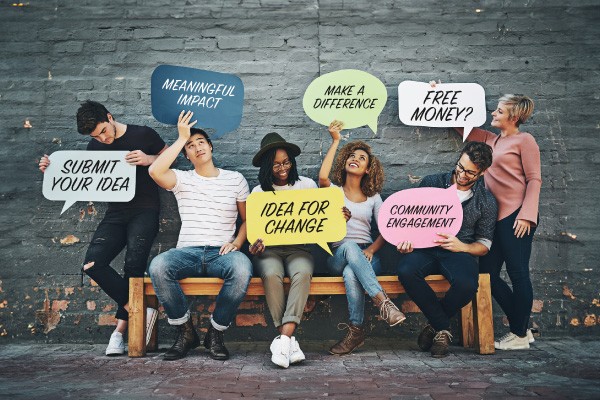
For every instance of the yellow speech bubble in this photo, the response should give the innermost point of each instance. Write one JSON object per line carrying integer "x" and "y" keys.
{"x": 296, "y": 217}
{"x": 349, "y": 95}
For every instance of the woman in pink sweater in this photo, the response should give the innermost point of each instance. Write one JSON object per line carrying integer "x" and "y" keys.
{"x": 515, "y": 180}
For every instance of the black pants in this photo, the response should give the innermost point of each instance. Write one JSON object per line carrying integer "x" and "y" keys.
{"x": 460, "y": 269}
{"x": 506, "y": 247}
{"x": 131, "y": 228}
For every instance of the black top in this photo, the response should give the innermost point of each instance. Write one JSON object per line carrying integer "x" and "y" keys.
{"x": 136, "y": 138}
{"x": 479, "y": 212}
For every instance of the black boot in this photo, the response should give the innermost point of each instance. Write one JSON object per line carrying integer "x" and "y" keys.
{"x": 187, "y": 339}
{"x": 213, "y": 341}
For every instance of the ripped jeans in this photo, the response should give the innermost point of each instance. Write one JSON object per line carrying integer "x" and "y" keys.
{"x": 134, "y": 229}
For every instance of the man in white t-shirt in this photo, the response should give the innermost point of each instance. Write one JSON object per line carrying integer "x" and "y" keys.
{"x": 209, "y": 201}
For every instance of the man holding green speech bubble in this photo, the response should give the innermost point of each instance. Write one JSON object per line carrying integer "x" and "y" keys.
{"x": 209, "y": 201}
{"x": 453, "y": 256}
{"x": 132, "y": 224}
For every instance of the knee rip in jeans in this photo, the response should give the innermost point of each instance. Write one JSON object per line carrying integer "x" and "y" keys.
{"x": 88, "y": 265}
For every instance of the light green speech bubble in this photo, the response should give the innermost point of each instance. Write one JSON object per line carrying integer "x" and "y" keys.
{"x": 354, "y": 97}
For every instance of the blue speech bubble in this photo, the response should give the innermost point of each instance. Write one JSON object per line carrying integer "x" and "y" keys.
{"x": 216, "y": 99}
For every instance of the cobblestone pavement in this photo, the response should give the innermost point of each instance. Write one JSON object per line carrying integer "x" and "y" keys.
{"x": 554, "y": 369}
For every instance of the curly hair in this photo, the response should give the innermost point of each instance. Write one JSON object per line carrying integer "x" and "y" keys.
{"x": 479, "y": 153}
{"x": 371, "y": 183}
{"x": 265, "y": 174}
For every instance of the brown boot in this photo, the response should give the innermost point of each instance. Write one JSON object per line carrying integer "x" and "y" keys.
{"x": 388, "y": 310}
{"x": 355, "y": 337}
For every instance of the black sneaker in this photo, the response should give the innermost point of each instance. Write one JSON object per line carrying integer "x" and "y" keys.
{"x": 425, "y": 339}
{"x": 441, "y": 341}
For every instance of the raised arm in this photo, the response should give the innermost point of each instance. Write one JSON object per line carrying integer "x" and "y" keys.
{"x": 160, "y": 169}
{"x": 335, "y": 129}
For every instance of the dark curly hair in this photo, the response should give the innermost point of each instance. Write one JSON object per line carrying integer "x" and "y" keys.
{"x": 265, "y": 174}
{"x": 371, "y": 183}
{"x": 89, "y": 115}
{"x": 479, "y": 153}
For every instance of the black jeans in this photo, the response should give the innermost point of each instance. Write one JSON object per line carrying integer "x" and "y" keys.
{"x": 132, "y": 228}
{"x": 460, "y": 269}
{"x": 506, "y": 247}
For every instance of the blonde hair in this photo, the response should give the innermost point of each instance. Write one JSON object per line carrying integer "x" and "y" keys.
{"x": 518, "y": 105}
{"x": 371, "y": 183}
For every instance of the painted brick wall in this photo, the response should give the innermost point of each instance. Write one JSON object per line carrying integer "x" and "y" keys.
{"x": 57, "y": 54}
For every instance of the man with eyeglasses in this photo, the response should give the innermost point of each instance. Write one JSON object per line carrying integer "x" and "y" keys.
{"x": 454, "y": 256}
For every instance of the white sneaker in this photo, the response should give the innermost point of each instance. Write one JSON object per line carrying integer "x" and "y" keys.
{"x": 530, "y": 337}
{"x": 116, "y": 347}
{"x": 280, "y": 348}
{"x": 510, "y": 341}
{"x": 296, "y": 355}
{"x": 151, "y": 316}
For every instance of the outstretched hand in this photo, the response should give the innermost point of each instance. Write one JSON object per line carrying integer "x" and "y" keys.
{"x": 335, "y": 129}
{"x": 184, "y": 125}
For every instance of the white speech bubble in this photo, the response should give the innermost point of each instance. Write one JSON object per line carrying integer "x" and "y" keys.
{"x": 89, "y": 176}
{"x": 447, "y": 105}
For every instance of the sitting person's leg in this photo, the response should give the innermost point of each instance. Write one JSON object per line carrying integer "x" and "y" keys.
{"x": 236, "y": 271}
{"x": 166, "y": 269}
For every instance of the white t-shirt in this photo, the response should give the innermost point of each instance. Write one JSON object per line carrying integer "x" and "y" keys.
{"x": 208, "y": 206}
{"x": 302, "y": 183}
{"x": 358, "y": 227}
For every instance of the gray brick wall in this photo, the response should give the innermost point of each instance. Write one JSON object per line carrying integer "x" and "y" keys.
{"x": 57, "y": 54}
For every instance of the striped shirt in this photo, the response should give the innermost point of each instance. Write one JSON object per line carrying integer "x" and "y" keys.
{"x": 208, "y": 206}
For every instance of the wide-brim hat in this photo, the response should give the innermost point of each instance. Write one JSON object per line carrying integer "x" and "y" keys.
{"x": 274, "y": 141}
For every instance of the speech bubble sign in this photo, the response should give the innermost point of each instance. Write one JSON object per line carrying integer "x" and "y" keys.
{"x": 216, "y": 99}
{"x": 296, "y": 217}
{"x": 348, "y": 95}
{"x": 88, "y": 175}
{"x": 447, "y": 105}
{"x": 417, "y": 215}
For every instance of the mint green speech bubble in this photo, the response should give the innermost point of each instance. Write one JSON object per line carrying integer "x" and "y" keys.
{"x": 354, "y": 97}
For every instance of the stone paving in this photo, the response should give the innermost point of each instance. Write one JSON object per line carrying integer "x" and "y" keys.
{"x": 563, "y": 368}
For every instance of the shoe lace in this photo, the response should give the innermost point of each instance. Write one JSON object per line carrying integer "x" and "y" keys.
{"x": 386, "y": 308}
{"x": 349, "y": 335}
{"x": 442, "y": 337}
{"x": 505, "y": 337}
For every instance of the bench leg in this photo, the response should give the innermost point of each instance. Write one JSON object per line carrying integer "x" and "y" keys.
{"x": 152, "y": 301}
{"x": 483, "y": 317}
{"x": 467, "y": 325}
{"x": 137, "y": 318}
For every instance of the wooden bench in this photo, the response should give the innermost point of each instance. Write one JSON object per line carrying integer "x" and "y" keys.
{"x": 476, "y": 317}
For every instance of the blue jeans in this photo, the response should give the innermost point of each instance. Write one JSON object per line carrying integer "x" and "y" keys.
{"x": 359, "y": 274}
{"x": 460, "y": 269}
{"x": 134, "y": 229}
{"x": 168, "y": 268}
{"x": 506, "y": 247}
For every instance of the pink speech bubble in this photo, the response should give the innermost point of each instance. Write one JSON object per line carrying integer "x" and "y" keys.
{"x": 418, "y": 215}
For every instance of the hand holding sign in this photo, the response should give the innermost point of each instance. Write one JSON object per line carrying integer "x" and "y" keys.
{"x": 218, "y": 98}
{"x": 295, "y": 217}
{"x": 88, "y": 175}
{"x": 445, "y": 105}
{"x": 418, "y": 216}
{"x": 350, "y": 95}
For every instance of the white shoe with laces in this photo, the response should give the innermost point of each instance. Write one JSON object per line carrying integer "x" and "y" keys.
{"x": 280, "y": 349}
{"x": 510, "y": 341}
{"x": 296, "y": 355}
{"x": 530, "y": 337}
{"x": 116, "y": 347}
{"x": 151, "y": 316}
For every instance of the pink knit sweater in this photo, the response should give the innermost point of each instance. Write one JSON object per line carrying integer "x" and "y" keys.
{"x": 515, "y": 177}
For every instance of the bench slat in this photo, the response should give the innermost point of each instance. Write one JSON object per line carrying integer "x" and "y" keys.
{"x": 318, "y": 286}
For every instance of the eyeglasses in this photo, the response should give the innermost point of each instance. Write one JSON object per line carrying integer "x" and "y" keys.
{"x": 470, "y": 174}
{"x": 285, "y": 165}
